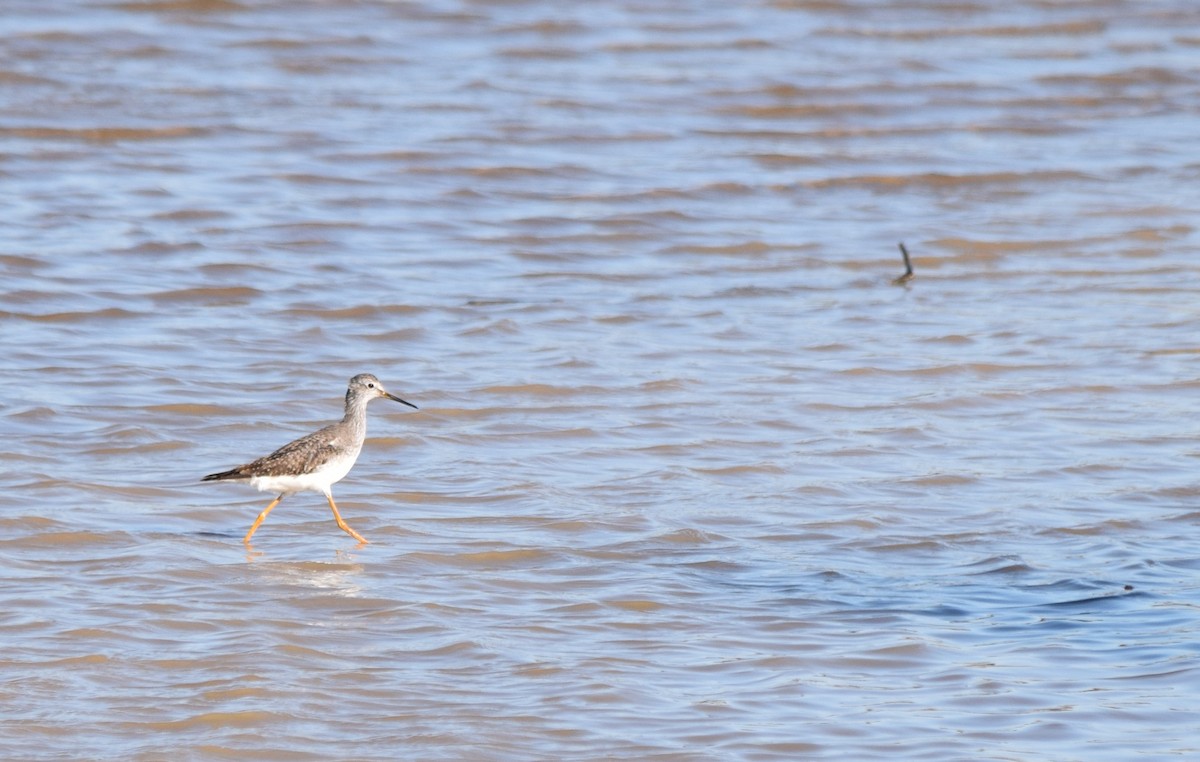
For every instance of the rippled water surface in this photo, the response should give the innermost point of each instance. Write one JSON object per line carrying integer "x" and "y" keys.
{"x": 691, "y": 478}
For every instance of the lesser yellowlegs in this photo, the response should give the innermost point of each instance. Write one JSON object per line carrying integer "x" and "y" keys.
{"x": 314, "y": 462}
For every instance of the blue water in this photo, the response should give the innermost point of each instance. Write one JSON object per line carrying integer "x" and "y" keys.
{"x": 691, "y": 478}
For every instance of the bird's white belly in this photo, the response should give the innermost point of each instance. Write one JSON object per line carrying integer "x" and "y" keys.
{"x": 316, "y": 481}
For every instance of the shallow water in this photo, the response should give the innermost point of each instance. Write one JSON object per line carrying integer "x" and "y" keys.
{"x": 691, "y": 478}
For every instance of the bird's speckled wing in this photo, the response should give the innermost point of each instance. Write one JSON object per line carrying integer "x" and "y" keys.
{"x": 303, "y": 456}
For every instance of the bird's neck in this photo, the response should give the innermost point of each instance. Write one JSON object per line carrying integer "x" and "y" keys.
{"x": 356, "y": 413}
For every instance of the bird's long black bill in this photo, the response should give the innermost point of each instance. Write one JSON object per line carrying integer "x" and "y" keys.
{"x": 394, "y": 397}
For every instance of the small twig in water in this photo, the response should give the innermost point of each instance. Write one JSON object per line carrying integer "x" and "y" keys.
{"x": 908, "y": 271}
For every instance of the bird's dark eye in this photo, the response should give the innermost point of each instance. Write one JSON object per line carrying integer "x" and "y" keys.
{"x": 370, "y": 386}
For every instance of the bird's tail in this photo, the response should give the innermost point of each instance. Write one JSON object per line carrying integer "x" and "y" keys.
{"x": 235, "y": 473}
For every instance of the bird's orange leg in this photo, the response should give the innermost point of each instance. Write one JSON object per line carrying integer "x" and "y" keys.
{"x": 341, "y": 523}
{"x": 259, "y": 520}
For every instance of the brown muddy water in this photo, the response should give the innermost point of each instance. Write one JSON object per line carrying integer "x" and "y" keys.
{"x": 691, "y": 478}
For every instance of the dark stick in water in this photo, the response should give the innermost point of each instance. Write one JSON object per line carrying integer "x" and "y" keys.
{"x": 908, "y": 271}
